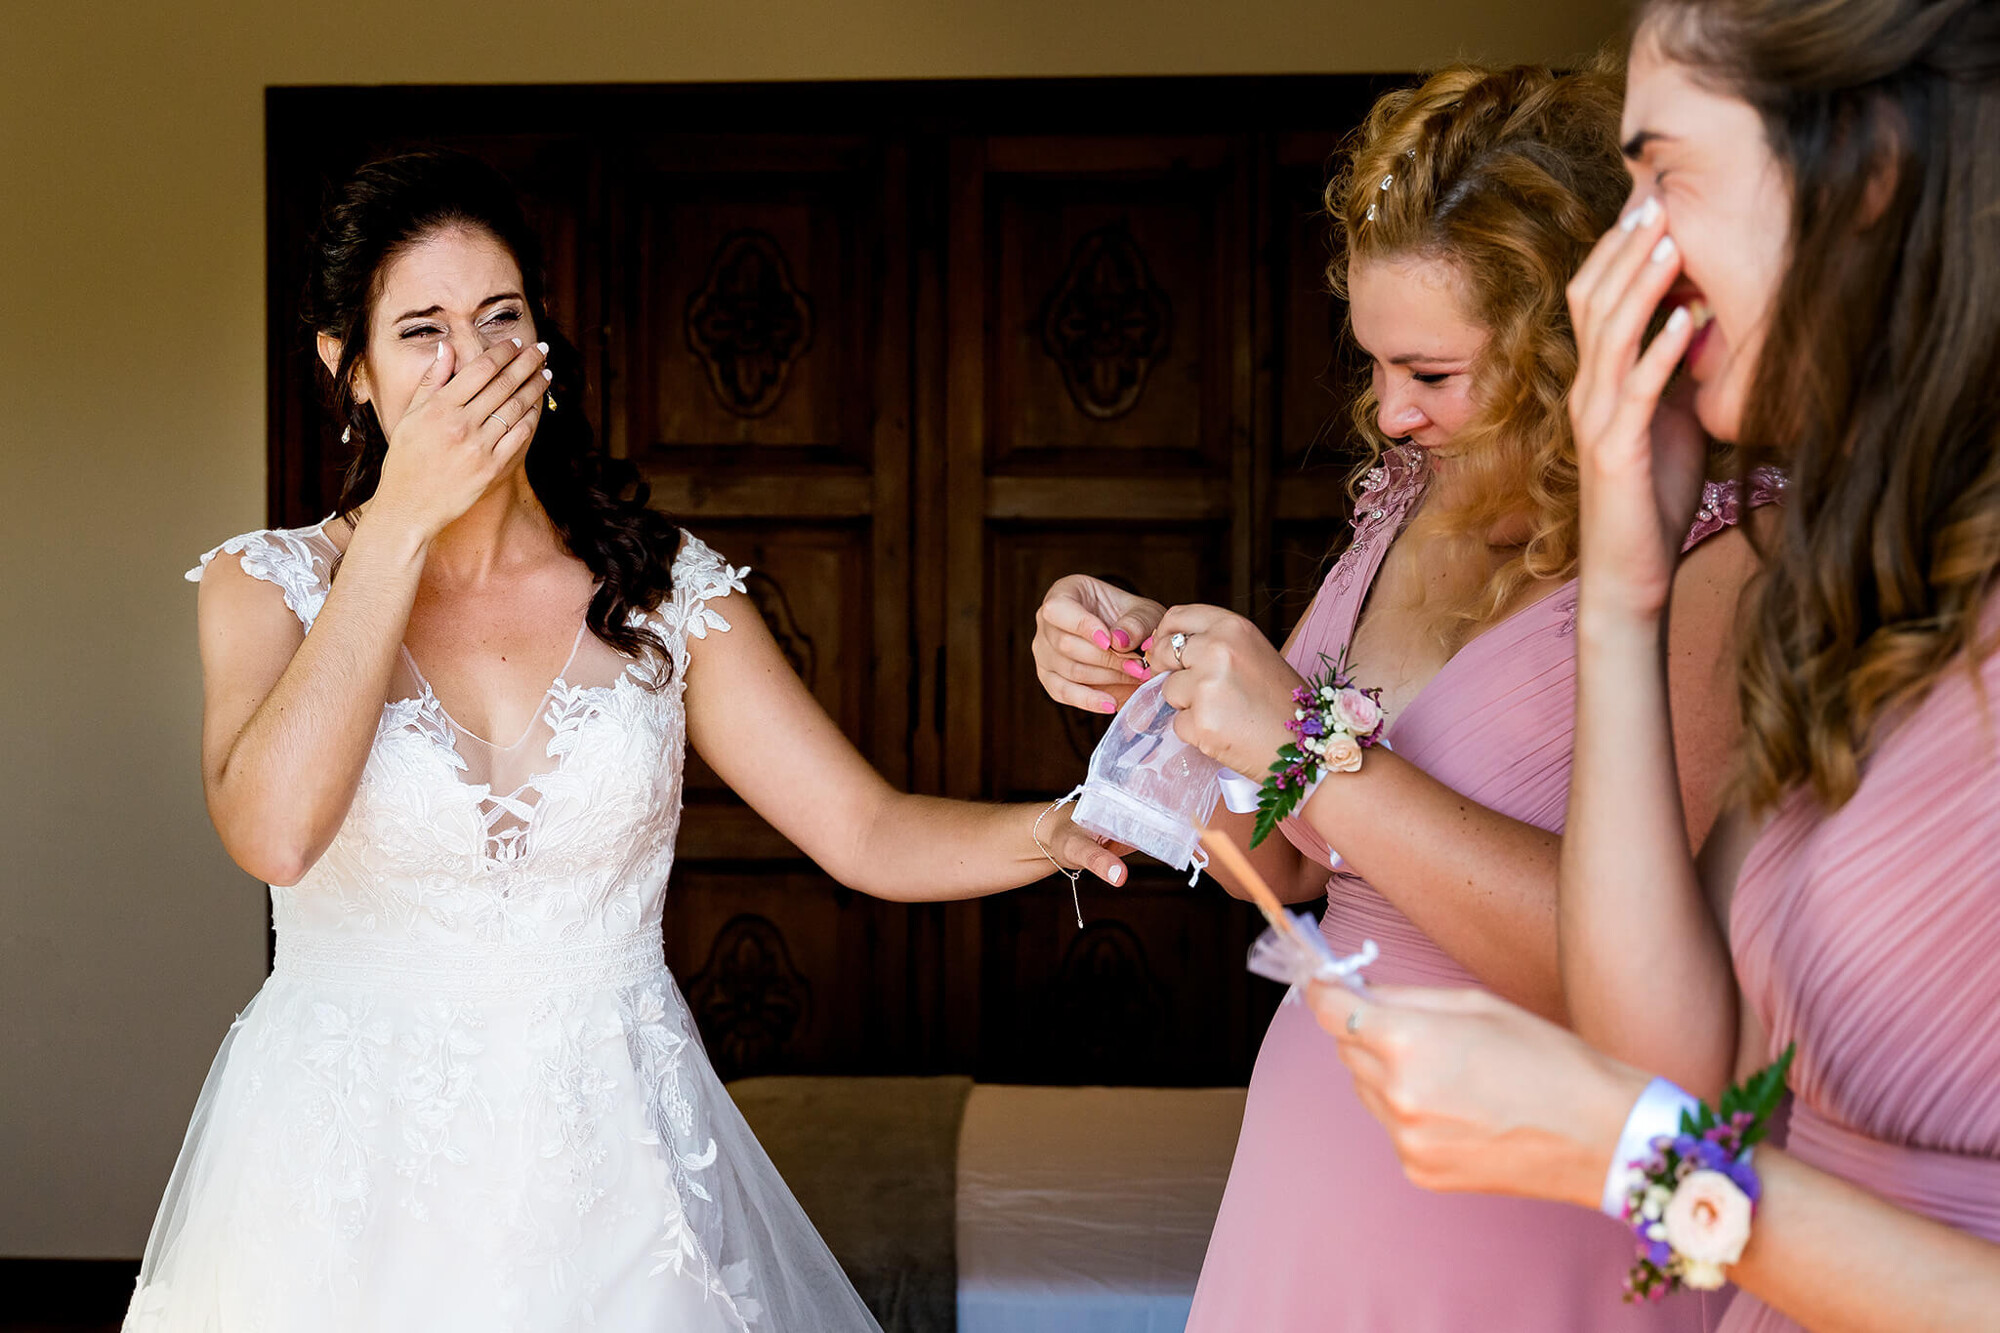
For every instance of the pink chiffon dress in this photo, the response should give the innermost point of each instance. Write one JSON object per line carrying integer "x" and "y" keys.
{"x": 1871, "y": 937}
{"x": 1319, "y": 1230}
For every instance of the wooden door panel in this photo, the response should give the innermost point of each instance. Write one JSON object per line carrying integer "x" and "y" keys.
{"x": 754, "y": 320}
{"x": 1151, "y": 990}
{"x": 785, "y": 974}
{"x": 1110, "y": 302}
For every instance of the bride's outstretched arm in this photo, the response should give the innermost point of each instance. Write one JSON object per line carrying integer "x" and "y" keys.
{"x": 288, "y": 718}
{"x": 758, "y": 727}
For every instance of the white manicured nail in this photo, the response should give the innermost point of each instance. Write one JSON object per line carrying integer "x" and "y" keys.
{"x": 440, "y": 355}
{"x": 515, "y": 341}
{"x": 543, "y": 348}
{"x": 1679, "y": 319}
{"x": 1644, "y": 215}
{"x": 1664, "y": 250}
{"x": 548, "y": 374}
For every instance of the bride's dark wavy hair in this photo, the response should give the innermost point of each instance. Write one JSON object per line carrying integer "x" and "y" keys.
{"x": 597, "y": 503}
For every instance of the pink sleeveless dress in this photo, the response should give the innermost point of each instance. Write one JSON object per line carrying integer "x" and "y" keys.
{"x": 1871, "y": 937}
{"x": 1319, "y": 1230}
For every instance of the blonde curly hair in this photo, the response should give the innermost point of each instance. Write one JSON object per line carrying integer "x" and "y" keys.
{"x": 1509, "y": 176}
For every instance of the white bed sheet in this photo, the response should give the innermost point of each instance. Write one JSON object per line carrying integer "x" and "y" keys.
{"x": 1088, "y": 1210}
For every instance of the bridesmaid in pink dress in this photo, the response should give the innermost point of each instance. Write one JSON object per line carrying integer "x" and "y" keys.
{"x": 1336, "y": 1237}
{"x": 1852, "y": 902}
{"x": 1318, "y": 1228}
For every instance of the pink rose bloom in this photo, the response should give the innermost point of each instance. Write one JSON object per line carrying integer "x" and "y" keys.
{"x": 1342, "y": 754}
{"x": 1708, "y": 1223}
{"x": 1356, "y": 711}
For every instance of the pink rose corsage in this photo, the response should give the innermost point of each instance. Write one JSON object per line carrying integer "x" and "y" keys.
{"x": 1690, "y": 1201}
{"x": 1332, "y": 722}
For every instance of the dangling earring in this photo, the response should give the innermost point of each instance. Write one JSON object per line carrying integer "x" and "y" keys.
{"x": 550, "y": 399}
{"x": 347, "y": 434}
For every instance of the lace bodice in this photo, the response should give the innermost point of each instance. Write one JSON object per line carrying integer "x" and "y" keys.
{"x": 562, "y": 837}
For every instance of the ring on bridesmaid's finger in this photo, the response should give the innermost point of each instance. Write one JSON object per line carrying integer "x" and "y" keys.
{"x": 1354, "y": 1020}
{"x": 1178, "y": 642}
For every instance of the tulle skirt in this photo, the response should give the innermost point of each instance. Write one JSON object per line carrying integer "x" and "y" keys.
{"x": 369, "y": 1157}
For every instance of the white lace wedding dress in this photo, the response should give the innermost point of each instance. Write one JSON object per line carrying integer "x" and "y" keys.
{"x": 470, "y": 1096}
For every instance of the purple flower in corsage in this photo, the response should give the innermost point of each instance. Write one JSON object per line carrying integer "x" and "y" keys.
{"x": 1690, "y": 1202}
{"x": 1332, "y": 722}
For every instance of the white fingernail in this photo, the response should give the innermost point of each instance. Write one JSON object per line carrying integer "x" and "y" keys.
{"x": 1647, "y": 213}
{"x": 548, "y": 374}
{"x": 1664, "y": 250}
{"x": 543, "y": 348}
{"x": 440, "y": 355}
{"x": 517, "y": 342}
{"x": 1679, "y": 319}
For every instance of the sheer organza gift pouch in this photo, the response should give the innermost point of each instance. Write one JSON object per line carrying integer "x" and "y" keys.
{"x": 1148, "y": 788}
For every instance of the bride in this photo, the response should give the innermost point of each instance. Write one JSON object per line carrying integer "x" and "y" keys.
{"x": 447, "y": 726}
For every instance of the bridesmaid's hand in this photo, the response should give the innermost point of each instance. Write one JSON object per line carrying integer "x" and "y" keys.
{"x": 1480, "y": 1095}
{"x": 1641, "y": 455}
{"x": 1086, "y": 633}
{"x": 1233, "y": 689}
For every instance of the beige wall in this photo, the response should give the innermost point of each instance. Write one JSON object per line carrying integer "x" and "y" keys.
{"x": 131, "y": 438}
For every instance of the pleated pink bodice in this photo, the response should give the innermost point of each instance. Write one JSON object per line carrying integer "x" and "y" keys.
{"x": 1871, "y": 937}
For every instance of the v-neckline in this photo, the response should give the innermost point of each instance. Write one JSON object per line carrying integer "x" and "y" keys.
{"x": 534, "y": 714}
{"x": 1415, "y": 484}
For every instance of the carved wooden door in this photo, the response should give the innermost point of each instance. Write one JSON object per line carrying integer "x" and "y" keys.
{"x": 1101, "y": 402}
{"x": 760, "y": 380}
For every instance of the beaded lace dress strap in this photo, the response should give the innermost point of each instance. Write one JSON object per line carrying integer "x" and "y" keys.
{"x": 290, "y": 558}
{"x": 1722, "y": 503}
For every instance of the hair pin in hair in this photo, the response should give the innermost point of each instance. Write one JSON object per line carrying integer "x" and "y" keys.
{"x": 1371, "y": 212}
{"x": 1387, "y": 179}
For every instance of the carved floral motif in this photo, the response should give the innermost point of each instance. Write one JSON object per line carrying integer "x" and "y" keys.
{"x": 1107, "y": 324}
{"x": 749, "y": 324}
{"x": 748, "y": 997}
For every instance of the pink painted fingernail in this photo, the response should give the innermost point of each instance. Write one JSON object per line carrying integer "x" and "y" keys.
{"x": 1102, "y": 640}
{"x": 1147, "y": 646}
{"x": 1122, "y": 639}
{"x": 1135, "y": 670}
{"x": 1108, "y": 706}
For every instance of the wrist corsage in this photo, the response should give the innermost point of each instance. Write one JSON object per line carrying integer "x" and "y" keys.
{"x": 1332, "y": 722}
{"x": 1690, "y": 1199}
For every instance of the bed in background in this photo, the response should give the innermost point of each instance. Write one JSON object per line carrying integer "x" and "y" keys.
{"x": 991, "y": 1208}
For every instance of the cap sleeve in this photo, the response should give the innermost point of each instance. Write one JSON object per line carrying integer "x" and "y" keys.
{"x": 700, "y": 578}
{"x": 299, "y": 561}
